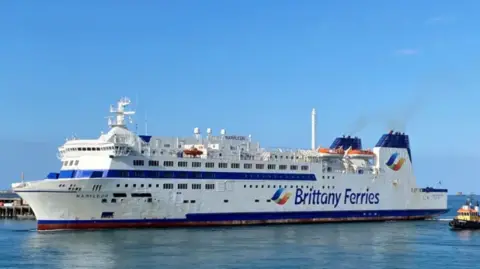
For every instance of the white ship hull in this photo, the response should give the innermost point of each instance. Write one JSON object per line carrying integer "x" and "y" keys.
{"x": 230, "y": 204}
{"x": 122, "y": 180}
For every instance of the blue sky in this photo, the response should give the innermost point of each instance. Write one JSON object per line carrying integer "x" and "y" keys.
{"x": 252, "y": 67}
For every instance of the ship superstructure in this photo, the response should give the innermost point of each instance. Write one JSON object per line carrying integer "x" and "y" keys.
{"x": 122, "y": 180}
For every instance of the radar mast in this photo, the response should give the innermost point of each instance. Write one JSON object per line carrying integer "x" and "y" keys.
{"x": 120, "y": 113}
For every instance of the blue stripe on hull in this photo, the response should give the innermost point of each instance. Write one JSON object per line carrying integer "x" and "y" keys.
{"x": 309, "y": 215}
{"x": 269, "y": 216}
{"x": 175, "y": 174}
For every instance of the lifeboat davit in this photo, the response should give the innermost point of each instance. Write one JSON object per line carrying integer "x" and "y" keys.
{"x": 359, "y": 153}
{"x": 326, "y": 152}
{"x": 193, "y": 152}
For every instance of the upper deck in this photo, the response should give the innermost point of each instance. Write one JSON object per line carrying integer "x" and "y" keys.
{"x": 345, "y": 155}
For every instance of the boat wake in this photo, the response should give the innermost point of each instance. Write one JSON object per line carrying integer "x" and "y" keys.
{"x": 442, "y": 219}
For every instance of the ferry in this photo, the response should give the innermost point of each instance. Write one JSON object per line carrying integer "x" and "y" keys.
{"x": 125, "y": 180}
{"x": 467, "y": 218}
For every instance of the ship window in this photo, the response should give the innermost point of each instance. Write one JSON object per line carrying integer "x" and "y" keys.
{"x": 157, "y": 185}
{"x": 182, "y": 164}
{"x": 118, "y": 185}
{"x": 196, "y": 186}
{"x": 185, "y": 201}
{"x": 259, "y": 166}
{"x": 268, "y": 201}
{"x": 282, "y": 167}
{"x": 119, "y": 195}
{"x": 76, "y": 162}
{"x": 209, "y": 186}
{"x": 192, "y": 201}
{"x": 104, "y": 200}
{"x": 168, "y": 186}
{"x": 168, "y": 163}
{"x": 182, "y": 186}
{"x": 96, "y": 174}
{"x": 293, "y": 167}
{"x": 149, "y": 200}
{"x": 71, "y": 163}
{"x": 141, "y": 186}
{"x": 256, "y": 200}
{"x": 304, "y": 167}
{"x": 247, "y": 165}
{"x": 149, "y": 185}
{"x": 114, "y": 200}
{"x": 209, "y": 165}
{"x": 271, "y": 167}
{"x": 196, "y": 164}
{"x": 153, "y": 163}
{"x": 126, "y": 185}
{"x": 225, "y": 201}
{"x": 107, "y": 215}
{"x": 138, "y": 162}
{"x": 142, "y": 194}
{"x": 139, "y": 174}
{"x": 222, "y": 165}
{"x": 134, "y": 185}
{"x": 235, "y": 165}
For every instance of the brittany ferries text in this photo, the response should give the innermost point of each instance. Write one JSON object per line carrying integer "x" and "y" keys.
{"x": 316, "y": 197}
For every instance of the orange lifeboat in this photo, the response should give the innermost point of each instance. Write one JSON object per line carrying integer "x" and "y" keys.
{"x": 361, "y": 153}
{"x": 193, "y": 152}
{"x": 331, "y": 152}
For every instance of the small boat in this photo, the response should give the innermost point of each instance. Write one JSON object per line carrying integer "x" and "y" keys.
{"x": 359, "y": 153}
{"x": 467, "y": 218}
{"x": 326, "y": 152}
{"x": 193, "y": 152}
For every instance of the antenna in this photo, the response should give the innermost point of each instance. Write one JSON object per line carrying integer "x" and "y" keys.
{"x": 22, "y": 176}
{"x": 146, "y": 127}
{"x": 120, "y": 113}
{"x": 314, "y": 128}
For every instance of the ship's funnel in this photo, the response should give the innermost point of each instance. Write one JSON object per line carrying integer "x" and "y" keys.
{"x": 395, "y": 140}
{"x": 346, "y": 142}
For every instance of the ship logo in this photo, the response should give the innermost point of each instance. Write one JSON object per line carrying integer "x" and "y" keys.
{"x": 279, "y": 198}
{"x": 393, "y": 164}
